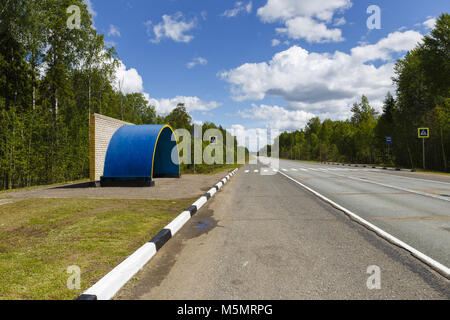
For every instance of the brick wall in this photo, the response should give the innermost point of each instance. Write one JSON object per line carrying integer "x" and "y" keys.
{"x": 102, "y": 128}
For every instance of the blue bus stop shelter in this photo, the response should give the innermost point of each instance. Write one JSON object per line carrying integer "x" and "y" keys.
{"x": 139, "y": 153}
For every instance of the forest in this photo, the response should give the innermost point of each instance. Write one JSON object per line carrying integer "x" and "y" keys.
{"x": 51, "y": 79}
{"x": 422, "y": 100}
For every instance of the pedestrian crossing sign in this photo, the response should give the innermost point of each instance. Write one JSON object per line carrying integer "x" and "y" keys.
{"x": 424, "y": 133}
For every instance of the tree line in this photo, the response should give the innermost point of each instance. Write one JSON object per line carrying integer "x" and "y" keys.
{"x": 422, "y": 99}
{"x": 51, "y": 79}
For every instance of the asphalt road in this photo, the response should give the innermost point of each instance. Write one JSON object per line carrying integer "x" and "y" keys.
{"x": 265, "y": 237}
{"x": 414, "y": 209}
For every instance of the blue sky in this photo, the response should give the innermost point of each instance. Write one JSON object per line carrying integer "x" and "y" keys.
{"x": 261, "y": 63}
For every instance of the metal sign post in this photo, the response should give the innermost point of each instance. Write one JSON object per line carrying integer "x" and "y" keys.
{"x": 423, "y": 133}
{"x": 388, "y": 142}
{"x": 213, "y": 140}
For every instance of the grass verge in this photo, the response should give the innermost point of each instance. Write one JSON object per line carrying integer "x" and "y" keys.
{"x": 42, "y": 186}
{"x": 41, "y": 238}
{"x": 209, "y": 169}
{"x": 433, "y": 172}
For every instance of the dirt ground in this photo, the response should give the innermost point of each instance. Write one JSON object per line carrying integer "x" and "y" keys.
{"x": 188, "y": 186}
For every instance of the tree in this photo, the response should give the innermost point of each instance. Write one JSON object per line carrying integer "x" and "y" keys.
{"x": 179, "y": 118}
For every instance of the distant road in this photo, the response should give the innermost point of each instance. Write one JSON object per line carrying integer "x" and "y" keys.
{"x": 265, "y": 237}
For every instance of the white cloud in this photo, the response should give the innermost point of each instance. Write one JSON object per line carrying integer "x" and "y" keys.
{"x": 275, "y": 42}
{"x": 394, "y": 42}
{"x": 128, "y": 80}
{"x": 430, "y": 23}
{"x": 306, "y": 19}
{"x": 322, "y": 83}
{"x": 324, "y": 10}
{"x": 251, "y": 138}
{"x": 172, "y": 27}
{"x": 113, "y": 31}
{"x": 276, "y": 117}
{"x": 197, "y": 61}
{"x": 238, "y": 8}
{"x": 109, "y": 43}
{"x": 339, "y": 22}
{"x": 165, "y": 105}
{"x": 90, "y": 8}
{"x": 310, "y": 30}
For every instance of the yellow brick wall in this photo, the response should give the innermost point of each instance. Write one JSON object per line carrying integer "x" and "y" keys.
{"x": 101, "y": 130}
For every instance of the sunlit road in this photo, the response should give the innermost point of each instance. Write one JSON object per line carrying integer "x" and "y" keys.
{"x": 266, "y": 237}
{"x": 412, "y": 207}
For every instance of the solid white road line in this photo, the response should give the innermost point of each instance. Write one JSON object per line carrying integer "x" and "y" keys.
{"x": 445, "y": 271}
{"x": 418, "y": 179}
{"x": 395, "y": 187}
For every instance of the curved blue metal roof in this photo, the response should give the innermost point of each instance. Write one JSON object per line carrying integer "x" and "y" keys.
{"x": 141, "y": 151}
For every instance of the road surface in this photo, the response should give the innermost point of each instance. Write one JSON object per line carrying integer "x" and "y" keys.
{"x": 265, "y": 237}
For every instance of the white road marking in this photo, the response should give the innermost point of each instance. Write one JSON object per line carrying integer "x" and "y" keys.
{"x": 395, "y": 187}
{"x": 418, "y": 179}
{"x": 445, "y": 271}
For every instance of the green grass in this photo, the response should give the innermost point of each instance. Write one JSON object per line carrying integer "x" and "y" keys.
{"x": 433, "y": 172}
{"x": 209, "y": 169}
{"x": 40, "y": 238}
{"x": 312, "y": 161}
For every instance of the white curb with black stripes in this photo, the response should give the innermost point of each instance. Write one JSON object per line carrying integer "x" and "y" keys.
{"x": 111, "y": 283}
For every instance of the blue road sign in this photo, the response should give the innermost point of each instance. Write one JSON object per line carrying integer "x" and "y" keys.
{"x": 424, "y": 132}
{"x": 388, "y": 139}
